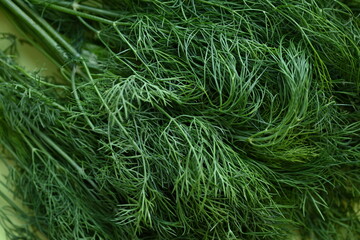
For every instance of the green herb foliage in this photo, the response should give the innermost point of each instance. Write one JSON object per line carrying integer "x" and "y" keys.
{"x": 201, "y": 119}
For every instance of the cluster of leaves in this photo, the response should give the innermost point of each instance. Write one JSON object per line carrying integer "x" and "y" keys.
{"x": 202, "y": 119}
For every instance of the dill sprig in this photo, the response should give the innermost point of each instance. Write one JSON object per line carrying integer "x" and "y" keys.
{"x": 207, "y": 119}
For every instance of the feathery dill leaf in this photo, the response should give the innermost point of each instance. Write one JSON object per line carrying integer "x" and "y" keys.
{"x": 206, "y": 119}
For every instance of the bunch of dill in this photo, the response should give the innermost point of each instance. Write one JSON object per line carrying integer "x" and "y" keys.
{"x": 185, "y": 119}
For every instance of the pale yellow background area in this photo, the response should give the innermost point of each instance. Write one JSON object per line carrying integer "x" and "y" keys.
{"x": 29, "y": 57}
{"x": 32, "y": 60}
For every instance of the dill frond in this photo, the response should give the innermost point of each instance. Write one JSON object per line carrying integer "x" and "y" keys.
{"x": 206, "y": 119}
